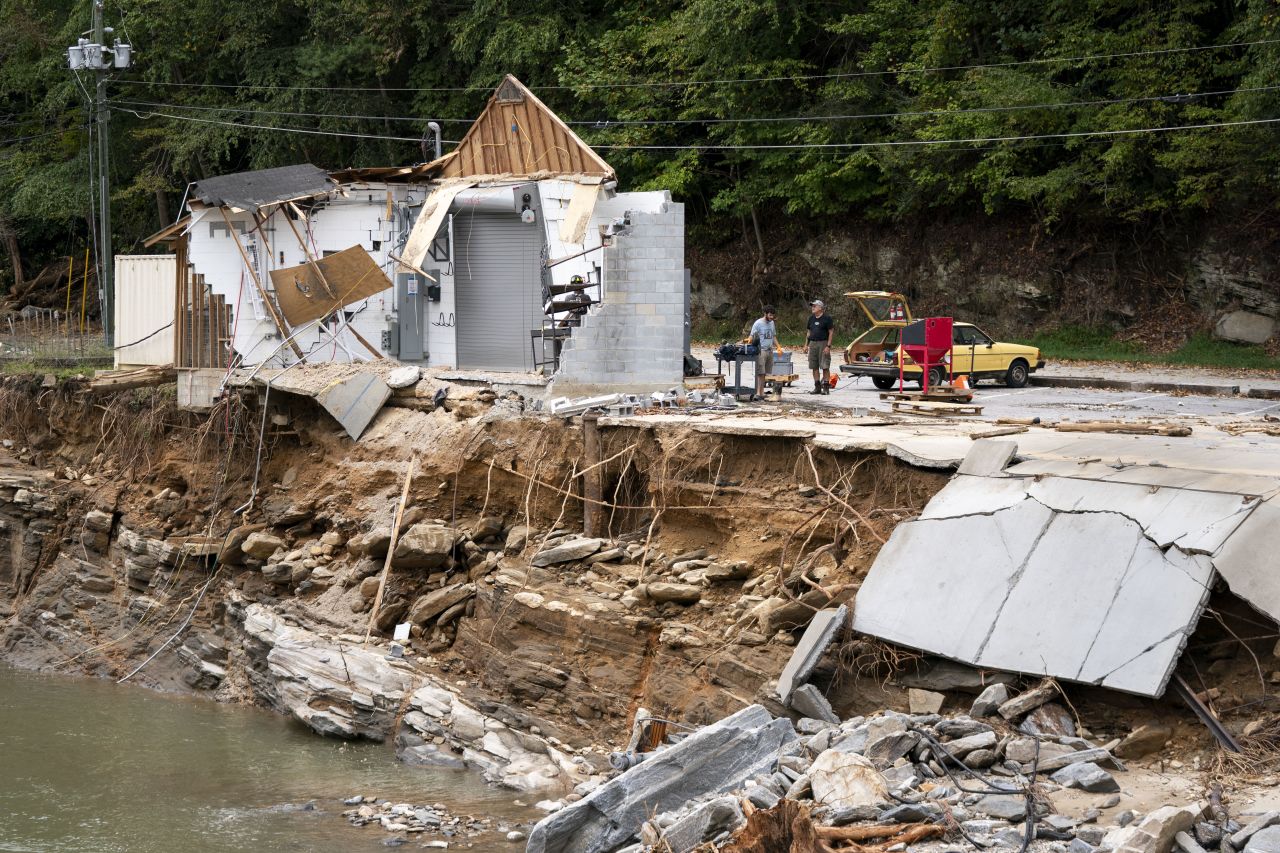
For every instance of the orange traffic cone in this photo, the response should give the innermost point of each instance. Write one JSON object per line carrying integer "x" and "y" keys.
{"x": 961, "y": 382}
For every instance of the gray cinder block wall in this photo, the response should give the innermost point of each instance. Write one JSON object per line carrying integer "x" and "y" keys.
{"x": 633, "y": 341}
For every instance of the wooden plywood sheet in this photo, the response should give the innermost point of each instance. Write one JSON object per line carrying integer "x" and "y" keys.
{"x": 305, "y": 293}
{"x": 429, "y": 220}
{"x": 574, "y": 227}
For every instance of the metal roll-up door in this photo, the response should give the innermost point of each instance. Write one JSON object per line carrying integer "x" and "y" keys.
{"x": 497, "y": 269}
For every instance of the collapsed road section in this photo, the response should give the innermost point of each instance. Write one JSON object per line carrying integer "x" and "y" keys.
{"x": 672, "y": 628}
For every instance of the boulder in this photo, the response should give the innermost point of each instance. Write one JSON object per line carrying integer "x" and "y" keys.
{"x": 489, "y": 525}
{"x": 516, "y": 539}
{"x": 718, "y": 758}
{"x": 1264, "y": 841}
{"x": 846, "y": 779}
{"x": 990, "y": 700}
{"x": 438, "y": 601}
{"x": 1241, "y": 837}
{"x": 260, "y": 545}
{"x": 1006, "y": 806}
{"x": 680, "y": 593}
{"x": 704, "y": 822}
{"x": 425, "y": 546}
{"x": 1087, "y": 777}
{"x": 1049, "y": 720}
{"x": 403, "y": 377}
{"x": 278, "y": 572}
{"x": 924, "y": 701}
{"x": 372, "y": 544}
{"x": 232, "y": 551}
{"x": 1025, "y": 703}
{"x": 1156, "y": 832}
{"x": 567, "y": 552}
{"x": 1143, "y": 741}
{"x": 1245, "y": 327}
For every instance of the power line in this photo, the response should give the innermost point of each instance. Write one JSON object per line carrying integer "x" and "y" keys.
{"x": 144, "y": 115}
{"x": 904, "y": 142}
{"x": 776, "y": 146}
{"x": 605, "y": 124}
{"x": 725, "y": 81}
{"x": 255, "y": 111}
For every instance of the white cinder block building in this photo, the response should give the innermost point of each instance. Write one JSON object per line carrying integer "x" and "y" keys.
{"x": 510, "y": 256}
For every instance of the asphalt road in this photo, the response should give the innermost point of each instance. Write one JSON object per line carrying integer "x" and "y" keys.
{"x": 1075, "y": 404}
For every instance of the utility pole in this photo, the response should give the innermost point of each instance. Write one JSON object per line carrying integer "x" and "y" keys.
{"x": 94, "y": 55}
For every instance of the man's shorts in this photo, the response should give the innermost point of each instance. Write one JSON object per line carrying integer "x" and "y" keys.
{"x": 818, "y": 359}
{"x": 764, "y": 362}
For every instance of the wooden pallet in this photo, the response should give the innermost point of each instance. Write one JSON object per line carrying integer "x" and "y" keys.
{"x": 705, "y": 382}
{"x": 935, "y": 410}
{"x": 935, "y": 395}
{"x": 781, "y": 378}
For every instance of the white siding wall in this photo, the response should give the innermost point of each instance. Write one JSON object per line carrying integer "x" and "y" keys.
{"x": 359, "y": 218}
{"x": 144, "y": 303}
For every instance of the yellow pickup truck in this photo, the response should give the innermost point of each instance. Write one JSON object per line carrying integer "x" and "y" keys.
{"x": 974, "y": 353}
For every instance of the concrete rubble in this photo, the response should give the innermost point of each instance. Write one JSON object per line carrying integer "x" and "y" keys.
{"x": 714, "y": 759}
{"x": 955, "y": 773}
{"x": 1067, "y": 576}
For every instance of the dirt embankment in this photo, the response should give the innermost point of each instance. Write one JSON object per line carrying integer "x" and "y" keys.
{"x": 138, "y": 534}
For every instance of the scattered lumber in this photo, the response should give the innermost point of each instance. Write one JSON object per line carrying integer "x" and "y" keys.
{"x": 1125, "y": 428}
{"x": 124, "y": 380}
{"x": 935, "y": 410}
{"x": 942, "y": 394}
{"x": 998, "y": 431}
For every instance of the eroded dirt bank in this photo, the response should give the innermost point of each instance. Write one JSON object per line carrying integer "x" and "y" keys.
{"x": 185, "y": 553}
{"x": 531, "y": 645}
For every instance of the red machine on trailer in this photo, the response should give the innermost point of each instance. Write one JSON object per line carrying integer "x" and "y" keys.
{"x": 928, "y": 343}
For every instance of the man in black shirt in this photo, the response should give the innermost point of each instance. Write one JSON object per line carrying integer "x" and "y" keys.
{"x": 821, "y": 334}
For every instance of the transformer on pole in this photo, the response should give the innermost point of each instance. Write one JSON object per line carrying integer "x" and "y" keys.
{"x": 94, "y": 54}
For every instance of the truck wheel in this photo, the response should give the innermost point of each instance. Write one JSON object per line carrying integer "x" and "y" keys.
{"x": 936, "y": 377}
{"x": 884, "y": 383}
{"x": 1016, "y": 375}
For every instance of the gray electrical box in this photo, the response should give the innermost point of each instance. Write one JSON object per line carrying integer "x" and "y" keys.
{"x": 411, "y": 297}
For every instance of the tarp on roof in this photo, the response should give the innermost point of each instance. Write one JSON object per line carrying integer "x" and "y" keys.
{"x": 252, "y": 190}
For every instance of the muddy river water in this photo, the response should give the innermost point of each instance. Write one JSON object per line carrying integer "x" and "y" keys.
{"x": 91, "y": 766}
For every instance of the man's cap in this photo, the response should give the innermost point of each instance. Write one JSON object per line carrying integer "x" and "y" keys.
{"x": 818, "y": 303}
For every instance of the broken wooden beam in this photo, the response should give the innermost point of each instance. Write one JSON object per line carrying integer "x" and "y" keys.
{"x": 125, "y": 380}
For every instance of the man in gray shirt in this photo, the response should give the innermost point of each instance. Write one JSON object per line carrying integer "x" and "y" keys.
{"x": 764, "y": 335}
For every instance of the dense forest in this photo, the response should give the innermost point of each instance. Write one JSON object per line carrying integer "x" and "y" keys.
{"x": 1090, "y": 114}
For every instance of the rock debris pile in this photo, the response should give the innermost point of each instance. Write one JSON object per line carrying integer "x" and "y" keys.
{"x": 987, "y": 778}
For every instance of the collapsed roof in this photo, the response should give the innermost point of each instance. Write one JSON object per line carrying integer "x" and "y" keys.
{"x": 253, "y": 190}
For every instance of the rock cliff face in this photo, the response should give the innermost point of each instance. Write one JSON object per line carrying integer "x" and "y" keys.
{"x": 1009, "y": 278}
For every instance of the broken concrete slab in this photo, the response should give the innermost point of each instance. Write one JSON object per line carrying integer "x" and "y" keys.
{"x": 355, "y": 401}
{"x": 988, "y": 457}
{"x": 1083, "y": 596}
{"x": 1246, "y": 558}
{"x": 715, "y": 759}
{"x": 975, "y": 495}
{"x": 817, "y": 637}
{"x": 809, "y": 701}
{"x": 942, "y": 676}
